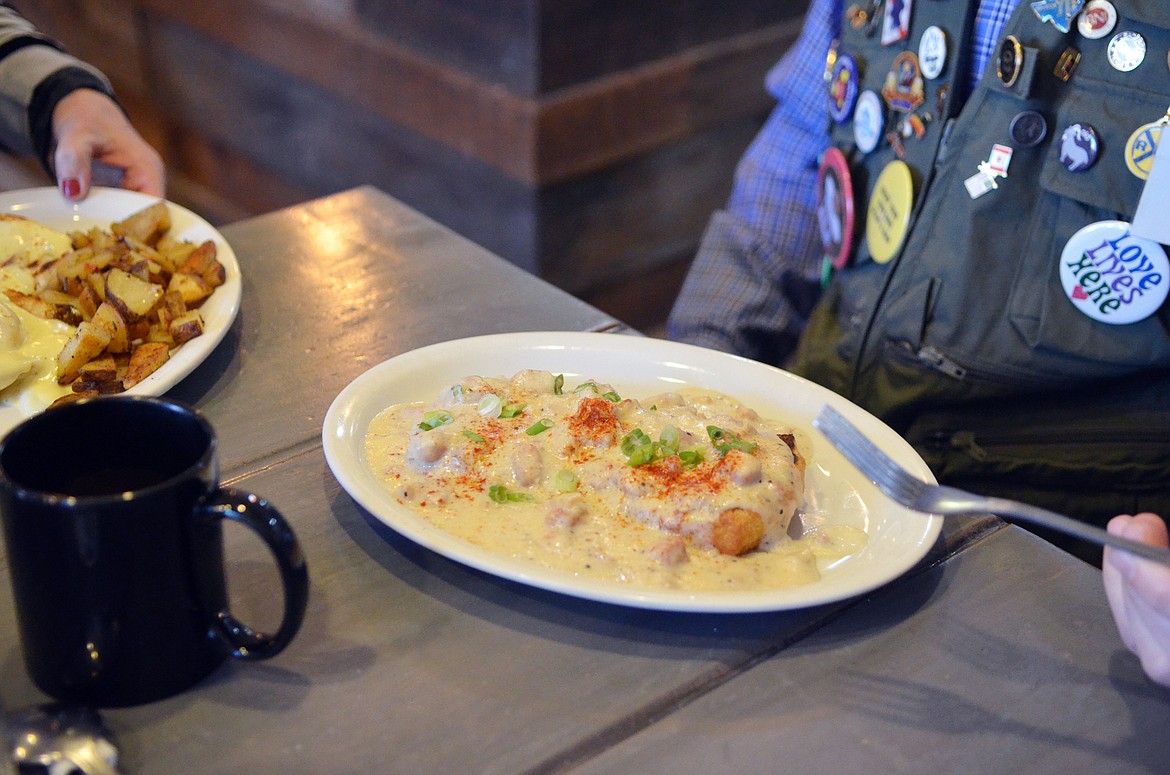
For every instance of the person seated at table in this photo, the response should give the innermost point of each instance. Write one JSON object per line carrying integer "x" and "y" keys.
{"x": 63, "y": 111}
{"x": 934, "y": 222}
{"x": 1139, "y": 593}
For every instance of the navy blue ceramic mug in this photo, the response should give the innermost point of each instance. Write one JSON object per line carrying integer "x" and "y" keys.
{"x": 113, "y": 521}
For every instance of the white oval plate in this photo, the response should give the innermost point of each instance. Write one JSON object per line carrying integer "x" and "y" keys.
{"x": 640, "y": 367}
{"x": 105, "y": 206}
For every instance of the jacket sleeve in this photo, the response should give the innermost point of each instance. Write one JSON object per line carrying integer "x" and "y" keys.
{"x": 35, "y": 74}
{"x": 757, "y": 274}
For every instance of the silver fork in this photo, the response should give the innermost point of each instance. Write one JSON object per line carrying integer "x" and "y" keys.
{"x": 913, "y": 493}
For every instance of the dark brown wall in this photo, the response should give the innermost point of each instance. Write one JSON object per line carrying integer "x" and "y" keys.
{"x": 587, "y": 141}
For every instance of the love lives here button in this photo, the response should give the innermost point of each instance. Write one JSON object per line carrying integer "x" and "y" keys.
{"x": 1113, "y": 276}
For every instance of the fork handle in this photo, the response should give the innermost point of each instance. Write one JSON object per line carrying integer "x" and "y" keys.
{"x": 1050, "y": 519}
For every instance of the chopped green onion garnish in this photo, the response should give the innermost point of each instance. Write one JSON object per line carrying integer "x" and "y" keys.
{"x": 558, "y": 384}
{"x": 633, "y": 440}
{"x": 643, "y": 455}
{"x": 669, "y": 438}
{"x": 591, "y": 385}
{"x": 641, "y": 449}
{"x": 565, "y": 481}
{"x": 489, "y": 405}
{"x": 432, "y": 420}
{"x": 612, "y": 396}
{"x": 512, "y": 410}
{"x": 540, "y": 426}
{"x": 474, "y": 437}
{"x": 725, "y": 441}
{"x": 500, "y": 494}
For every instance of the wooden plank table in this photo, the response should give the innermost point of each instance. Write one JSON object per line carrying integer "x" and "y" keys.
{"x": 996, "y": 654}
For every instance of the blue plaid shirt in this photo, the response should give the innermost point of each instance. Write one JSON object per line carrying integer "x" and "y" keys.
{"x": 757, "y": 274}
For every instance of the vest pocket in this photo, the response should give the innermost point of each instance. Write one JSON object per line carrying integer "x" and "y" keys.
{"x": 1078, "y": 346}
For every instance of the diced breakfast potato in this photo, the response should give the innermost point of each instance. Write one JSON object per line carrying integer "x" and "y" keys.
{"x": 191, "y": 287}
{"x": 112, "y": 321}
{"x": 101, "y": 369}
{"x": 186, "y": 327}
{"x": 203, "y": 262}
{"x": 133, "y": 293}
{"x": 146, "y": 225}
{"x": 87, "y": 343}
{"x": 144, "y": 361}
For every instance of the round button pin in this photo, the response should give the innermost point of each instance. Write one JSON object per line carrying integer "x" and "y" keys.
{"x": 1079, "y": 147}
{"x": 1009, "y": 60}
{"x": 1028, "y": 128}
{"x": 842, "y": 88}
{"x": 869, "y": 121}
{"x": 1097, "y": 19}
{"x": 835, "y": 207}
{"x": 932, "y": 52}
{"x": 1126, "y": 51}
{"x": 888, "y": 217}
{"x": 1140, "y": 148}
{"x": 1112, "y": 276}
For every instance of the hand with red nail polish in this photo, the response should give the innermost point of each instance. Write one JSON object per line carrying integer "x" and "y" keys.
{"x": 93, "y": 133}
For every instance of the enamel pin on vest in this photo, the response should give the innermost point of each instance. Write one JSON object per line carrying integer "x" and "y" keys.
{"x": 895, "y": 21}
{"x": 1097, "y": 19}
{"x": 996, "y": 166}
{"x": 1059, "y": 12}
{"x": 835, "y": 207}
{"x": 869, "y": 121}
{"x": 1127, "y": 50}
{"x": 932, "y": 52}
{"x": 843, "y": 87}
{"x": 1079, "y": 147}
{"x": 888, "y": 218}
{"x": 1140, "y": 148}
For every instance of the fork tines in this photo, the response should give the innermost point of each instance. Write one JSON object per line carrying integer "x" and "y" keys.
{"x": 878, "y": 467}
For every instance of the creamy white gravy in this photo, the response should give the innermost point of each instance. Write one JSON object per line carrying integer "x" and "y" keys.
{"x": 558, "y": 475}
{"x": 28, "y": 359}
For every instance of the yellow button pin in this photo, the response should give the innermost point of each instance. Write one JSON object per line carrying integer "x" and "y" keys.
{"x": 888, "y": 216}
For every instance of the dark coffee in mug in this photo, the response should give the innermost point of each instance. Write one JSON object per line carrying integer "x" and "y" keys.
{"x": 113, "y": 521}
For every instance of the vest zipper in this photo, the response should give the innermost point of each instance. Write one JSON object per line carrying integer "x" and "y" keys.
{"x": 935, "y": 359}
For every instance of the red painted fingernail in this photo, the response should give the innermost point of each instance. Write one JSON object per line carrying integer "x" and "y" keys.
{"x": 70, "y": 188}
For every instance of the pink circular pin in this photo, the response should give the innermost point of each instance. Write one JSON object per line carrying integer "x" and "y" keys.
{"x": 835, "y": 207}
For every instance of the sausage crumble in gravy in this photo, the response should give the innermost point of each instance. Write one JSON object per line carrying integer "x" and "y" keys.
{"x": 692, "y": 492}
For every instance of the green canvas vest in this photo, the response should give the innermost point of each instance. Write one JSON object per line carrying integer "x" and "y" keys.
{"x": 965, "y": 341}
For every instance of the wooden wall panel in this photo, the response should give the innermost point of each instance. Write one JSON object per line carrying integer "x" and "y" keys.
{"x": 495, "y": 41}
{"x": 582, "y": 40}
{"x": 303, "y": 132}
{"x": 534, "y": 48}
{"x": 619, "y": 224}
{"x": 584, "y": 140}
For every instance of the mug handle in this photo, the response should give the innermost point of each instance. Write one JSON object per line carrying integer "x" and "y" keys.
{"x": 264, "y": 520}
